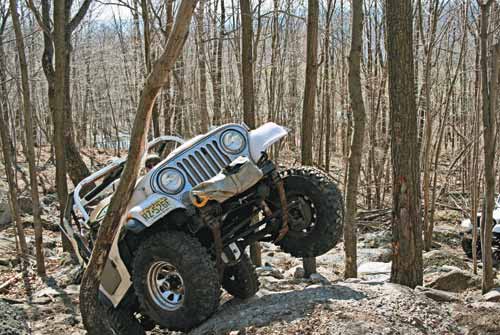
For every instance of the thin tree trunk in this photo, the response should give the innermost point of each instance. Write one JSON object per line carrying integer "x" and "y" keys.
{"x": 247, "y": 63}
{"x": 308, "y": 109}
{"x": 58, "y": 104}
{"x": 356, "y": 154}
{"x": 217, "y": 84}
{"x": 7, "y": 151}
{"x": 205, "y": 118}
{"x": 489, "y": 88}
{"x": 30, "y": 145}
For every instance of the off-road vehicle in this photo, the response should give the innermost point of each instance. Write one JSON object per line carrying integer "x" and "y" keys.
{"x": 466, "y": 230}
{"x": 194, "y": 211}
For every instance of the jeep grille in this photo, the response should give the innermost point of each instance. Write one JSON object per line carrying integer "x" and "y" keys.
{"x": 203, "y": 163}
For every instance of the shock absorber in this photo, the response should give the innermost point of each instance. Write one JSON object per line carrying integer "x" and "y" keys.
{"x": 278, "y": 181}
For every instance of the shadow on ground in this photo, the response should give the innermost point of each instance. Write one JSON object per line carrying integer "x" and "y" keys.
{"x": 285, "y": 306}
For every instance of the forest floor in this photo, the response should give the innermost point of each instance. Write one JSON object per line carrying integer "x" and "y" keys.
{"x": 286, "y": 303}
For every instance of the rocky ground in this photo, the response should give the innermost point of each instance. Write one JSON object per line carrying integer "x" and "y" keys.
{"x": 449, "y": 303}
{"x": 286, "y": 303}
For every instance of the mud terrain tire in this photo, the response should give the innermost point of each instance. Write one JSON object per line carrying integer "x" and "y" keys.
{"x": 200, "y": 279}
{"x": 241, "y": 280}
{"x": 320, "y": 190}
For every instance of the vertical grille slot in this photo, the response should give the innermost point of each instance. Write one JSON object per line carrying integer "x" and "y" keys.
{"x": 226, "y": 159}
{"x": 190, "y": 178}
{"x": 201, "y": 171}
{"x": 205, "y": 164}
{"x": 211, "y": 158}
{"x": 192, "y": 171}
{"x": 220, "y": 162}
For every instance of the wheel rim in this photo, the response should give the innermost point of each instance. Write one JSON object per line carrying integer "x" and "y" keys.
{"x": 165, "y": 286}
{"x": 301, "y": 214}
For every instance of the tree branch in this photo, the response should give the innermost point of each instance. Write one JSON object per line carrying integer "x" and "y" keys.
{"x": 38, "y": 16}
{"x": 79, "y": 15}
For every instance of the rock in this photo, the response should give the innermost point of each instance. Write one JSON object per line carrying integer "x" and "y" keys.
{"x": 492, "y": 296}
{"x": 299, "y": 273}
{"x": 12, "y": 320}
{"x": 9, "y": 261}
{"x": 269, "y": 271}
{"x": 5, "y": 216}
{"x": 373, "y": 268}
{"x": 316, "y": 278}
{"x": 49, "y": 199}
{"x": 439, "y": 258}
{"x": 437, "y": 295}
{"x": 455, "y": 281}
{"x": 25, "y": 205}
{"x": 49, "y": 292}
{"x": 376, "y": 239}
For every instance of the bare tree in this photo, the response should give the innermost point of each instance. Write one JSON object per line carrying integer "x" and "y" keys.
{"x": 358, "y": 110}
{"x": 8, "y": 150}
{"x": 119, "y": 202}
{"x": 489, "y": 87}
{"x": 308, "y": 109}
{"x": 406, "y": 215}
{"x": 205, "y": 118}
{"x": 247, "y": 63}
{"x": 29, "y": 144}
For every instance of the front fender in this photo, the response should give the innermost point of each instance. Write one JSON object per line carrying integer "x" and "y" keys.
{"x": 263, "y": 137}
{"x": 155, "y": 207}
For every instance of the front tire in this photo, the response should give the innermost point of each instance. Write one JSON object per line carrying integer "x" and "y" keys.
{"x": 175, "y": 280}
{"x": 315, "y": 212}
{"x": 241, "y": 280}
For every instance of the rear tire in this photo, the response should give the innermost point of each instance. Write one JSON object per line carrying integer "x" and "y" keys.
{"x": 175, "y": 280}
{"x": 315, "y": 212}
{"x": 241, "y": 280}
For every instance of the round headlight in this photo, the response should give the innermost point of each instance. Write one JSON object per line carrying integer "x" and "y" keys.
{"x": 171, "y": 181}
{"x": 233, "y": 141}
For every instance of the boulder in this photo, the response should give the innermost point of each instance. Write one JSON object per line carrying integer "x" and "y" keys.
{"x": 25, "y": 205}
{"x": 374, "y": 268}
{"x": 455, "y": 281}
{"x": 439, "y": 258}
{"x": 5, "y": 216}
{"x": 492, "y": 296}
{"x": 299, "y": 273}
{"x": 437, "y": 295}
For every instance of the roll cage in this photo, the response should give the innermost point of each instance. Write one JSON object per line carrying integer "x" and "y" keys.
{"x": 92, "y": 189}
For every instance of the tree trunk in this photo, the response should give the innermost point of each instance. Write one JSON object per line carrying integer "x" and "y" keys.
{"x": 7, "y": 149}
{"x": 308, "y": 109}
{"x": 205, "y": 118}
{"x": 119, "y": 202}
{"x": 217, "y": 83}
{"x": 356, "y": 154}
{"x": 30, "y": 145}
{"x": 58, "y": 101}
{"x": 167, "y": 113}
{"x": 406, "y": 215}
{"x": 489, "y": 88}
{"x": 247, "y": 63}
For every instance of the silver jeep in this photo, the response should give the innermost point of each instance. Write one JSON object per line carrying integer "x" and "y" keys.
{"x": 196, "y": 208}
